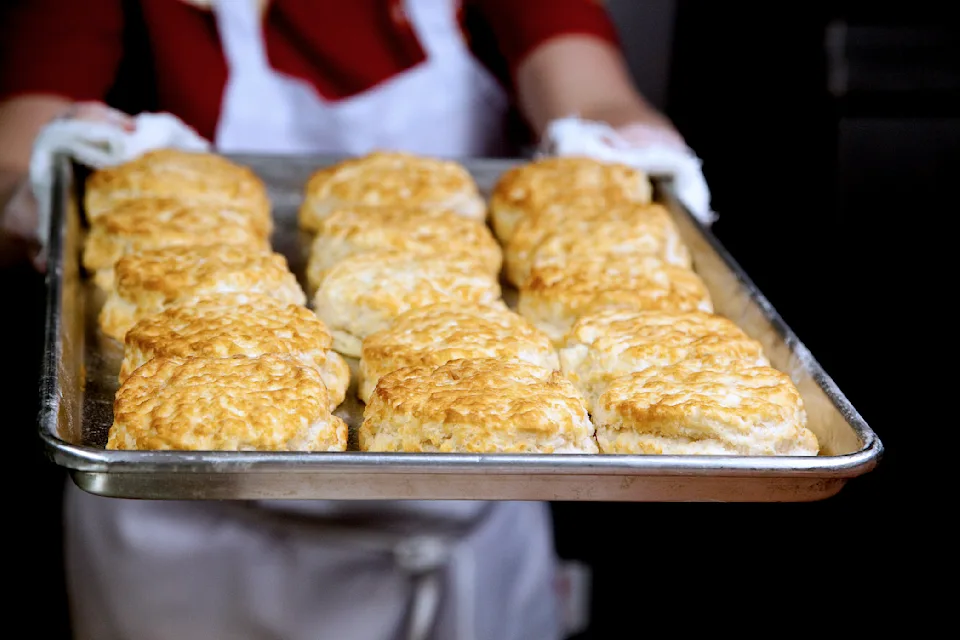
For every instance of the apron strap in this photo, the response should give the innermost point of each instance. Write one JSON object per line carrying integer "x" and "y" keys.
{"x": 435, "y": 24}
{"x": 241, "y": 34}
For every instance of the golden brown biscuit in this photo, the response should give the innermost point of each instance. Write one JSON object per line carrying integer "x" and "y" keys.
{"x": 390, "y": 179}
{"x": 156, "y": 223}
{"x": 270, "y": 403}
{"x": 559, "y": 233}
{"x": 436, "y": 334}
{"x": 603, "y": 346}
{"x": 365, "y": 292}
{"x": 150, "y": 281}
{"x": 525, "y": 190}
{"x": 476, "y": 406}
{"x": 232, "y": 324}
{"x": 555, "y": 296}
{"x": 353, "y": 230}
{"x": 184, "y": 175}
{"x": 686, "y": 409}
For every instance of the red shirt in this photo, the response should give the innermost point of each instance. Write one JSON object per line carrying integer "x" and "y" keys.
{"x": 165, "y": 55}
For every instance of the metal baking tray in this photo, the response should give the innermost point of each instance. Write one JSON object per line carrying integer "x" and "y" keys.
{"x": 80, "y": 369}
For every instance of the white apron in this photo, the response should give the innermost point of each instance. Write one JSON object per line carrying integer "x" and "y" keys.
{"x": 449, "y": 105}
{"x": 297, "y": 570}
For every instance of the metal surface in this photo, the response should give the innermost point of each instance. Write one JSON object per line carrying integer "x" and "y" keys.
{"x": 80, "y": 370}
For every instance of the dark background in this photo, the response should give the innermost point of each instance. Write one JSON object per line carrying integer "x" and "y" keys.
{"x": 829, "y": 138}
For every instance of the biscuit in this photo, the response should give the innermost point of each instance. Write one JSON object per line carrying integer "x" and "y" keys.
{"x": 349, "y": 231}
{"x": 156, "y": 223}
{"x": 270, "y": 403}
{"x": 686, "y": 409}
{"x": 237, "y": 324}
{"x": 150, "y": 281}
{"x": 390, "y": 179}
{"x": 555, "y": 296}
{"x": 602, "y": 347}
{"x": 559, "y": 233}
{"x": 476, "y": 406}
{"x": 365, "y": 292}
{"x": 184, "y": 175}
{"x": 527, "y": 189}
{"x": 434, "y": 335}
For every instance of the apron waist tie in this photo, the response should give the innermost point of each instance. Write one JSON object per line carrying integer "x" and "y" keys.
{"x": 420, "y": 556}
{"x": 423, "y": 559}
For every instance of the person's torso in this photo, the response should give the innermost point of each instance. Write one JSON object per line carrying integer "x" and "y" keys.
{"x": 345, "y": 52}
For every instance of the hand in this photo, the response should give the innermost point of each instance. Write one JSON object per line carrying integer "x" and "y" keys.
{"x": 18, "y": 206}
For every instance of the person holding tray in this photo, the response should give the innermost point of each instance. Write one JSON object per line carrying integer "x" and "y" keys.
{"x": 477, "y": 78}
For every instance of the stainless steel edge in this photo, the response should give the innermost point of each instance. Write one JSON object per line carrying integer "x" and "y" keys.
{"x": 50, "y": 392}
{"x": 89, "y": 459}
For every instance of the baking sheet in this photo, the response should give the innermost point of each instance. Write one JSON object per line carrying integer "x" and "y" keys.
{"x": 80, "y": 371}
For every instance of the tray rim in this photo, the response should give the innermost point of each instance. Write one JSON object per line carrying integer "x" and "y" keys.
{"x": 91, "y": 460}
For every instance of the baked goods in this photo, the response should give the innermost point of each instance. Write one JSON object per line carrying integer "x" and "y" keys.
{"x": 411, "y": 289}
{"x": 684, "y": 408}
{"x": 555, "y": 296}
{"x": 365, "y": 292}
{"x": 271, "y": 403}
{"x": 232, "y": 324}
{"x": 603, "y": 346}
{"x": 559, "y": 233}
{"x": 184, "y": 175}
{"x": 155, "y": 223}
{"x": 436, "y": 334}
{"x": 527, "y": 189}
{"x": 390, "y": 179}
{"x": 353, "y": 230}
{"x": 476, "y": 406}
{"x": 149, "y": 281}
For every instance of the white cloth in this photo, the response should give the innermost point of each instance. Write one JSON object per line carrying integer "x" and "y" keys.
{"x": 97, "y": 145}
{"x": 573, "y": 136}
{"x": 288, "y": 569}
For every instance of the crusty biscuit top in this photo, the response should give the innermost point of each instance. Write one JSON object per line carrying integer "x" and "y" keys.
{"x": 230, "y": 324}
{"x": 447, "y": 331}
{"x": 499, "y": 400}
{"x": 173, "y": 273}
{"x": 271, "y": 403}
{"x": 638, "y": 283}
{"x": 151, "y": 223}
{"x": 559, "y": 233}
{"x": 190, "y": 176}
{"x": 407, "y": 229}
{"x": 751, "y": 410}
{"x": 663, "y": 337}
{"x": 534, "y": 185}
{"x": 393, "y": 282}
{"x": 392, "y": 178}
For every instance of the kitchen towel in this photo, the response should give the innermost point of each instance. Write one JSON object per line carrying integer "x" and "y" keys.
{"x": 647, "y": 148}
{"x": 100, "y": 143}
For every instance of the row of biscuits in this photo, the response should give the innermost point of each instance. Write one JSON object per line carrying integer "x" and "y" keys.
{"x": 405, "y": 273}
{"x": 219, "y": 350}
{"x": 605, "y": 273}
